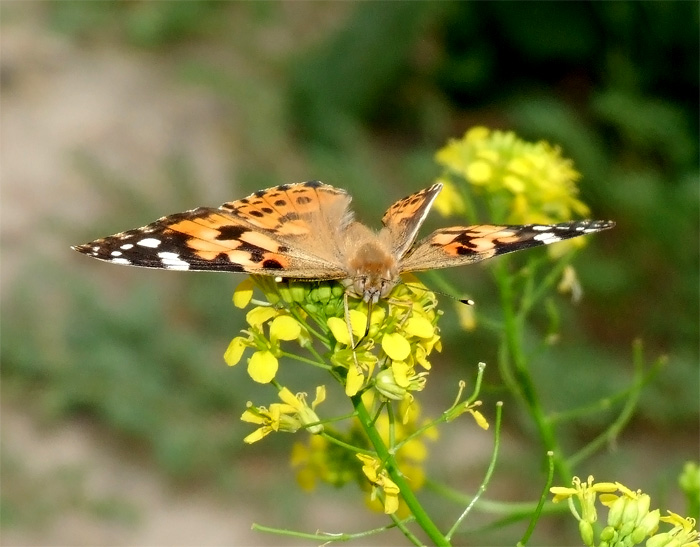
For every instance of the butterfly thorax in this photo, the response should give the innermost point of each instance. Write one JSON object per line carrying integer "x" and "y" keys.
{"x": 372, "y": 268}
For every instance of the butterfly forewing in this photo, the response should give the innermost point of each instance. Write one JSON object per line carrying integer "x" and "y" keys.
{"x": 267, "y": 233}
{"x": 405, "y": 217}
{"x": 459, "y": 245}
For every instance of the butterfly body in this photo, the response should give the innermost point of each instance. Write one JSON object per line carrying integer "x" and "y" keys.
{"x": 307, "y": 231}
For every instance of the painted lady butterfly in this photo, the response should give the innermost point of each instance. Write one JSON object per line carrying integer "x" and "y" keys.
{"x": 306, "y": 231}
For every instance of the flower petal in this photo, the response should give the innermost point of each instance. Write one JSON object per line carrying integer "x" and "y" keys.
{"x": 243, "y": 294}
{"x": 284, "y": 327}
{"x": 396, "y": 346}
{"x": 257, "y": 316}
{"x": 235, "y": 350}
{"x": 419, "y": 326}
{"x": 262, "y": 366}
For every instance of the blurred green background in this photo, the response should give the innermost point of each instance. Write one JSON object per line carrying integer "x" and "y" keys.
{"x": 120, "y": 421}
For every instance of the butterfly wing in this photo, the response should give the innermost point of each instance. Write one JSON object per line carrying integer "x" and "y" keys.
{"x": 404, "y": 218}
{"x": 283, "y": 231}
{"x": 460, "y": 245}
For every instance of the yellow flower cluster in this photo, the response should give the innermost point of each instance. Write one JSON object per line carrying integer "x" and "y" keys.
{"x": 395, "y": 342}
{"x": 524, "y": 182}
{"x": 406, "y": 333}
{"x": 630, "y": 521}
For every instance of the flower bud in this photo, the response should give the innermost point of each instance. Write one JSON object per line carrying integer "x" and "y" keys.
{"x": 586, "y": 530}
{"x": 615, "y": 513}
{"x": 387, "y": 386}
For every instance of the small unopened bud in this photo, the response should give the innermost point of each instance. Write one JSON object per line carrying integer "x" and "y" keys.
{"x": 586, "y": 530}
{"x": 387, "y": 386}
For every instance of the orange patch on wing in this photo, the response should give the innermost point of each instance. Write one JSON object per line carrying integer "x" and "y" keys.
{"x": 259, "y": 240}
{"x": 194, "y": 229}
{"x": 211, "y": 245}
{"x": 480, "y": 244}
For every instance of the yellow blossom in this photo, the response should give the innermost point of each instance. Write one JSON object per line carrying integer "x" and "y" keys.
{"x": 339, "y": 327}
{"x": 380, "y": 478}
{"x": 290, "y": 415}
{"x": 419, "y": 326}
{"x": 539, "y": 183}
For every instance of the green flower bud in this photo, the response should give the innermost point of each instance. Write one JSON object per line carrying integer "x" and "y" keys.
{"x": 626, "y": 528}
{"x": 615, "y": 513}
{"x": 585, "y": 528}
{"x": 387, "y": 386}
{"x": 608, "y": 534}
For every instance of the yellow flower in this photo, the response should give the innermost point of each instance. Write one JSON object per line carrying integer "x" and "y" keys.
{"x": 537, "y": 181}
{"x": 290, "y": 415}
{"x": 380, "y": 479}
{"x": 260, "y": 315}
{"x": 586, "y": 492}
{"x": 339, "y": 328}
{"x": 682, "y": 534}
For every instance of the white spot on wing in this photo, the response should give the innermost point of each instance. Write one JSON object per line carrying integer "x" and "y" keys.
{"x": 116, "y": 253}
{"x": 150, "y": 242}
{"x": 540, "y": 228}
{"x": 126, "y": 246}
{"x": 120, "y": 261}
{"x": 547, "y": 238}
{"x": 172, "y": 261}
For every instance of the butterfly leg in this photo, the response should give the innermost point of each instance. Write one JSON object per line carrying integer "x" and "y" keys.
{"x": 353, "y": 345}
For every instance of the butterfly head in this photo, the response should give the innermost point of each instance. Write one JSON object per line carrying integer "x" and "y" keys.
{"x": 374, "y": 273}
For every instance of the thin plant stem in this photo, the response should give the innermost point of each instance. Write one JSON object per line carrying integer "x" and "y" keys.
{"x": 487, "y": 477}
{"x": 513, "y": 349}
{"x": 422, "y": 518}
{"x": 543, "y": 498}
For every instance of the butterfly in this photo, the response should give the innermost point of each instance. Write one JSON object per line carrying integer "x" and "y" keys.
{"x": 307, "y": 231}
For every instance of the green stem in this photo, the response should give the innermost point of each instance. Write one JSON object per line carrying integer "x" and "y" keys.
{"x": 543, "y": 499}
{"x": 487, "y": 477}
{"x": 392, "y": 468}
{"x": 525, "y": 389}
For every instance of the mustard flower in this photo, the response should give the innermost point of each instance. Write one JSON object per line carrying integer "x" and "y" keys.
{"x": 683, "y": 533}
{"x": 379, "y": 478}
{"x": 630, "y": 519}
{"x": 587, "y": 493}
{"x": 290, "y": 415}
{"x": 533, "y": 182}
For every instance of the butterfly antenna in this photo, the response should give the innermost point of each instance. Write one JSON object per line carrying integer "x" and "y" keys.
{"x": 466, "y": 301}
